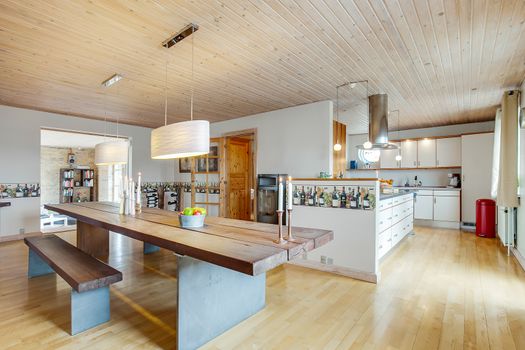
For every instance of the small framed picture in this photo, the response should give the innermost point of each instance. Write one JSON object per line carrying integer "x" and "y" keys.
{"x": 201, "y": 165}
{"x": 213, "y": 164}
{"x": 184, "y": 165}
{"x": 214, "y": 151}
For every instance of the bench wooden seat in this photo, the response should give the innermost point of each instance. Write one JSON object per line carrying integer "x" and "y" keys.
{"x": 89, "y": 278}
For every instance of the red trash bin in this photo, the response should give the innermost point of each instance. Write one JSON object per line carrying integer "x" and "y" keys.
{"x": 486, "y": 218}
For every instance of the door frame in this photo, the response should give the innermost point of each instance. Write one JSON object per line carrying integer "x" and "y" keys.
{"x": 223, "y": 161}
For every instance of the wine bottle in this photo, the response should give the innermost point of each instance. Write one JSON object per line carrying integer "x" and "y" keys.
{"x": 303, "y": 196}
{"x": 296, "y": 199}
{"x": 311, "y": 200}
{"x": 335, "y": 198}
{"x": 353, "y": 200}
{"x": 321, "y": 197}
{"x": 343, "y": 198}
{"x": 366, "y": 202}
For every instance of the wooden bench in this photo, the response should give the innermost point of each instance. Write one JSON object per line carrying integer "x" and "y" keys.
{"x": 89, "y": 278}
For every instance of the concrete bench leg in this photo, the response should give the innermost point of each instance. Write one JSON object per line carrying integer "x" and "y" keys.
{"x": 150, "y": 248}
{"x": 213, "y": 299}
{"x": 89, "y": 309}
{"x": 37, "y": 266}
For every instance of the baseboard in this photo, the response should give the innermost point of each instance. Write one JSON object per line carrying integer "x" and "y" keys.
{"x": 19, "y": 237}
{"x": 339, "y": 270}
{"x": 519, "y": 257}
{"x": 438, "y": 224}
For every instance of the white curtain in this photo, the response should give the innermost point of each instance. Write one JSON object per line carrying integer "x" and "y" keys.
{"x": 508, "y": 159}
{"x": 495, "y": 155}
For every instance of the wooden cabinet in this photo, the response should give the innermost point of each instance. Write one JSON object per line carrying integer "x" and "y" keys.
{"x": 424, "y": 205}
{"x": 388, "y": 158}
{"x": 409, "y": 154}
{"x": 426, "y": 153}
{"x": 476, "y": 170}
{"x": 446, "y": 206}
{"x": 448, "y": 152}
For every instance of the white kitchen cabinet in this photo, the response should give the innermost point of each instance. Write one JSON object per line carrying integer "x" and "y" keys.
{"x": 409, "y": 154}
{"x": 476, "y": 171}
{"x": 446, "y": 207}
{"x": 388, "y": 158}
{"x": 448, "y": 152}
{"x": 426, "y": 153}
{"x": 424, "y": 205}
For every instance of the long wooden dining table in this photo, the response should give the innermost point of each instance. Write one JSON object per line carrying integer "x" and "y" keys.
{"x": 221, "y": 267}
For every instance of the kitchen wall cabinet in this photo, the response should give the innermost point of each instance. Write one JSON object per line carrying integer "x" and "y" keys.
{"x": 426, "y": 153}
{"x": 409, "y": 154}
{"x": 388, "y": 158}
{"x": 448, "y": 152}
{"x": 446, "y": 206}
{"x": 476, "y": 170}
{"x": 424, "y": 205}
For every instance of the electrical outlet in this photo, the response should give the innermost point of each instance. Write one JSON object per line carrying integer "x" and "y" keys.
{"x": 21, "y": 230}
{"x": 330, "y": 261}
{"x": 323, "y": 259}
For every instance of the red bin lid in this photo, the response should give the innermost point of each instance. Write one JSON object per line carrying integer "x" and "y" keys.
{"x": 487, "y": 202}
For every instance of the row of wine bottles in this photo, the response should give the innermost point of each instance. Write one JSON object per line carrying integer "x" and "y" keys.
{"x": 19, "y": 191}
{"x": 316, "y": 196}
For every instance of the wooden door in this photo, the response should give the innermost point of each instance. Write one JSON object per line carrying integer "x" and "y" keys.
{"x": 238, "y": 178}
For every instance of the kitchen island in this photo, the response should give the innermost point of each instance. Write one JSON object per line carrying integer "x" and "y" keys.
{"x": 366, "y": 224}
{"x": 221, "y": 267}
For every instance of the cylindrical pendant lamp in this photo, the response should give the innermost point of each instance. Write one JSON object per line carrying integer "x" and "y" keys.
{"x": 179, "y": 140}
{"x": 111, "y": 152}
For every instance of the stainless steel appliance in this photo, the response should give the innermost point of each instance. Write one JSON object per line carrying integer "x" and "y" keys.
{"x": 267, "y": 192}
{"x": 454, "y": 180}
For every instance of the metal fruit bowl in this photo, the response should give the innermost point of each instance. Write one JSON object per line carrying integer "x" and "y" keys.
{"x": 191, "y": 221}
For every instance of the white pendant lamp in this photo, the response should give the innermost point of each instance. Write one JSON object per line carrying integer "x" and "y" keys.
{"x": 111, "y": 152}
{"x": 337, "y": 145}
{"x": 184, "y": 139}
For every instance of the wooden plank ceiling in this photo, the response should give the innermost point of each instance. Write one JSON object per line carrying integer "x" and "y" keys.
{"x": 440, "y": 61}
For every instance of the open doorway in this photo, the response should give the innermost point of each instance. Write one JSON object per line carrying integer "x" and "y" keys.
{"x": 239, "y": 169}
{"x": 68, "y": 174}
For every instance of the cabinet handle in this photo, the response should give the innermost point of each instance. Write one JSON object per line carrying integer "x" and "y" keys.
{"x": 435, "y": 200}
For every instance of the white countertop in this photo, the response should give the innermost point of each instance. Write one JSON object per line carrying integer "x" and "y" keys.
{"x": 438, "y": 188}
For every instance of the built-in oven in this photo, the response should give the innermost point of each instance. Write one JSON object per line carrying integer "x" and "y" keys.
{"x": 267, "y": 197}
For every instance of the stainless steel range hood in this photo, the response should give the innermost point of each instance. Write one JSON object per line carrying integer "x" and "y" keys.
{"x": 378, "y": 123}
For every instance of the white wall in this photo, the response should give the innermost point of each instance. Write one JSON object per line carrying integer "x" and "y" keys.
{"x": 434, "y": 177}
{"x": 295, "y": 141}
{"x": 20, "y": 157}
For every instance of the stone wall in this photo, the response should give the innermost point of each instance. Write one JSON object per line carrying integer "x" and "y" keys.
{"x": 52, "y": 159}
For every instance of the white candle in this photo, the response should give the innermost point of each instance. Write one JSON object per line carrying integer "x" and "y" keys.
{"x": 280, "y": 195}
{"x": 139, "y": 185}
{"x": 289, "y": 191}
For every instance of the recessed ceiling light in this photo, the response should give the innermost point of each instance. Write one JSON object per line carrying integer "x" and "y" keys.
{"x": 112, "y": 80}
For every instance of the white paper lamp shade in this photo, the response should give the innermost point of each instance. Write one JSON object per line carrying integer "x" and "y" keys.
{"x": 111, "y": 152}
{"x": 179, "y": 140}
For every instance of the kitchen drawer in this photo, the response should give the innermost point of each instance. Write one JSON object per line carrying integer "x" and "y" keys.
{"x": 397, "y": 233}
{"x": 424, "y": 192}
{"x": 385, "y": 203}
{"x": 445, "y": 193}
{"x": 384, "y": 243}
{"x": 384, "y": 220}
{"x": 397, "y": 213}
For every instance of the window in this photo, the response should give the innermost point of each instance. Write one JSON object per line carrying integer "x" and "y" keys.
{"x": 110, "y": 182}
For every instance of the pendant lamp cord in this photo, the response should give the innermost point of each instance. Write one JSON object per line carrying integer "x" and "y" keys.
{"x": 166, "y": 90}
{"x": 192, "y": 65}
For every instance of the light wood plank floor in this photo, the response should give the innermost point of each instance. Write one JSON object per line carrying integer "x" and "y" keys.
{"x": 441, "y": 289}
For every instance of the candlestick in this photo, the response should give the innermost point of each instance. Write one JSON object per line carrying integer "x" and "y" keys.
{"x": 281, "y": 239}
{"x": 138, "y": 201}
{"x": 290, "y": 237}
{"x": 289, "y": 192}
{"x": 280, "y": 195}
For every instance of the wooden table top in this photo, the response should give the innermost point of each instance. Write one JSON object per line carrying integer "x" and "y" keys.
{"x": 243, "y": 246}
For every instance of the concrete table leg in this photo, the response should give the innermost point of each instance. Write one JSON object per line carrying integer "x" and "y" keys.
{"x": 89, "y": 309}
{"x": 213, "y": 299}
{"x": 37, "y": 266}
{"x": 150, "y": 248}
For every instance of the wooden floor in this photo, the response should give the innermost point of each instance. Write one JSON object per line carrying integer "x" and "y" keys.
{"x": 440, "y": 289}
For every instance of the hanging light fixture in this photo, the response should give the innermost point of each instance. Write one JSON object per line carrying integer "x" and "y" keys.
{"x": 184, "y": 139}
{"x": 337, "y": 145}
{"x": 111, "y": 152}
